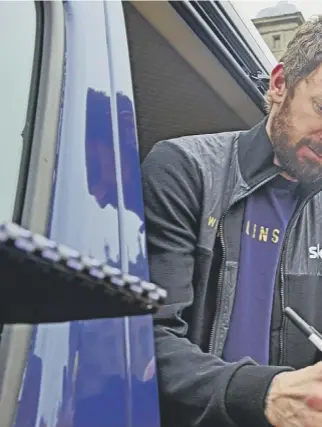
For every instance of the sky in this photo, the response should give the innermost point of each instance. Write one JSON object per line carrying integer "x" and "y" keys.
{"x": 250, "y": 8}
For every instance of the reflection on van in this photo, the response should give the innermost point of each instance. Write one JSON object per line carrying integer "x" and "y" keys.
{"x": 101, "y": 173}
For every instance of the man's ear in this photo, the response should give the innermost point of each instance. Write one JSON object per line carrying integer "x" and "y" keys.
{"x": 277, "y": 87}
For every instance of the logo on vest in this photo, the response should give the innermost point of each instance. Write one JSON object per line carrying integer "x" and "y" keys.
{"x": 315, "y": 252}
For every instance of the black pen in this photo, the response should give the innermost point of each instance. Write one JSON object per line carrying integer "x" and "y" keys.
{"x": 312, "y": 334}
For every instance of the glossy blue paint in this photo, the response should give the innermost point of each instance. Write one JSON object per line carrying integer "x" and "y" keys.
{"x": 143, "y": 405}
{"x": 98, "y": 373}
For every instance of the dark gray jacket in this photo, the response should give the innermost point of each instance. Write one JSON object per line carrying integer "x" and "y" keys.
{"x": 194, "y": 190}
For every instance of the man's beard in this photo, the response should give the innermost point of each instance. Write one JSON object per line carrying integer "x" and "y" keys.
{"x": 306, "y": 171}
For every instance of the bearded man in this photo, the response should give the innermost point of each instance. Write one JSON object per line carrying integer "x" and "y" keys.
{"x": 234, "y": 223}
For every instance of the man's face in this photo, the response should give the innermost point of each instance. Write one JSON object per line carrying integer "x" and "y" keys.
{"x": 296, "y": 127}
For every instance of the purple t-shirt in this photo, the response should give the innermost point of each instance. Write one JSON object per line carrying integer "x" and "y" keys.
{"x": 267, "y": 213}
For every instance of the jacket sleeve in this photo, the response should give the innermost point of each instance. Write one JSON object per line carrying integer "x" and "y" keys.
{"x": 196, "y": 389}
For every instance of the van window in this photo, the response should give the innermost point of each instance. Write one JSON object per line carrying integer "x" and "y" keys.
{"x": 17, "y": 43}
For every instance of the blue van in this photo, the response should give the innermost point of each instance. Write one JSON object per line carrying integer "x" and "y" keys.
{"x": 87, "y": 88}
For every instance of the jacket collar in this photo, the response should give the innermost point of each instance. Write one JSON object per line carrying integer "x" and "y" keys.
{"x": 256, "y": 159}
{"x": 256, "y": 155}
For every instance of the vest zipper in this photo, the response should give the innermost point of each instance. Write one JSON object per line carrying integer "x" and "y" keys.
{"x": 282, "y": 297}
{"x": 213, "y": 332}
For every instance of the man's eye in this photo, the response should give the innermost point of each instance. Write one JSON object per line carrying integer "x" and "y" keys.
{"x": 318, "y": 107}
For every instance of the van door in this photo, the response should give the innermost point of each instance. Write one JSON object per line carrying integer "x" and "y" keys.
{"x": 100, "y": 372}
{"x": 143, "y": 407}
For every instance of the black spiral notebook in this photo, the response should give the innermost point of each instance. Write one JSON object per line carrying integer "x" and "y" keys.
{"x": 41, "y": 282}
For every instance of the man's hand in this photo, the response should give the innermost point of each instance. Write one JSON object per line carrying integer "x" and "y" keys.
{"x": 295, "y": 398}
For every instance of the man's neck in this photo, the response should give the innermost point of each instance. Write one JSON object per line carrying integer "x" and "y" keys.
{"x": 284, "y": 174}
